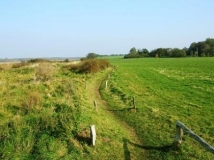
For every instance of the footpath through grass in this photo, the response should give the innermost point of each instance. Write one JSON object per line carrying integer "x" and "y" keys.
{"x": 165, "y": 90}
{"x": 115, "y": 139}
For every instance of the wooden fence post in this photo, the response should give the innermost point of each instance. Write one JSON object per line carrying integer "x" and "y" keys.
{"x": 133, "y": 101}
{"x": 106, "y": 84}
{"x": 95, "y": 105}
{"x": 178, "y": 137}
{"x": 180, "y": 127}
{"x": 93, "y": 134}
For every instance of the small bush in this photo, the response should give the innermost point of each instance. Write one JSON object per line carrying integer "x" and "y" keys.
{"x": 83, "y": 59}
{"x": 66, "y": 60}
{"x": 103, "y": 64}
{"x": 45, "y": 71}
{"x": 90, "y": 66}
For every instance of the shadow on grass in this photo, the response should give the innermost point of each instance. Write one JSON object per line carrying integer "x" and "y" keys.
{"x": 119, "y": 110}
{"x": 124, "y": 110}
{"x": 127, "y": 153}
{"x": 83, "y": 139}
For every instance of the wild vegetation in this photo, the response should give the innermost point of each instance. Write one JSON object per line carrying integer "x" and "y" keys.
{"x": 37, "y": 120}
{"x": 46, "y": 111}
{"x": 165, "y": 91}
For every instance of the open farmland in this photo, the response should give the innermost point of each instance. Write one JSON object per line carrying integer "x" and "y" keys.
{"x": 165, "y": 91}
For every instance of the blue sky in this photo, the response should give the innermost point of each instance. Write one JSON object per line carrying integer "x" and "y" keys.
{"x": 73, "y": 28}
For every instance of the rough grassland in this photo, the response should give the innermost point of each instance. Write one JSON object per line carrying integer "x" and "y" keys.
{"x": 166, "y": 90}
{"x": 46, "y": 113}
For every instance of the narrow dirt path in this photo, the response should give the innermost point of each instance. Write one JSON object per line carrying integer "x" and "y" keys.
{"x": 131, "y": 145}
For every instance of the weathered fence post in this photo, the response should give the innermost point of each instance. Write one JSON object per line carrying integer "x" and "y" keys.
{"x": 106, "y": 84}
{"x": 95, "y": 105}
{"x": 180, "y": 127}
{"x": 93, "y": 134}
{"x": 133, "y": 101}
{"x": 178, "y": 137}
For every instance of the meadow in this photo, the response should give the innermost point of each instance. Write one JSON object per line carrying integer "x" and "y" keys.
{"x": 46, "y": 109}
{"x": 166, "y": 90}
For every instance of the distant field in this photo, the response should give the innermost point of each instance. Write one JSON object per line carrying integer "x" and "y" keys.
{"x": 166, "y": 90}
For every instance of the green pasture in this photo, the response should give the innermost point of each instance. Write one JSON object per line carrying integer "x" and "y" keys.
{"x": 165, "y": 91}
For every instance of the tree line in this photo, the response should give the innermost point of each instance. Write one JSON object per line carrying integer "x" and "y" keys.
{"x": 199, "y": 49}
{"x": 92, "y": 55}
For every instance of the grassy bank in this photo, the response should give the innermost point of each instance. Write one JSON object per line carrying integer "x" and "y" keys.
{"x": 40, "y": 112}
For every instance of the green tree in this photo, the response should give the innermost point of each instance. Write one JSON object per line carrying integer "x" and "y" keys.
{"x": 133, "y": 51}
{"x": 203, "y": 48}
{"x": 192, "y": 49}
{"x": 210, "y": 42}
{"x": 162, "y": 52}
{"x": 143, "y": 53}
{"x": 178, "y": 52}
{"x": 91, "y": 55}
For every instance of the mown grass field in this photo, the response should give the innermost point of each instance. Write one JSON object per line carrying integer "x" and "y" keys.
{"x": 165, "y": 91}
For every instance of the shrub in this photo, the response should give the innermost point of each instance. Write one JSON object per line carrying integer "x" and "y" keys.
{"x": 91, "y": 55}
{"x": 83, "y": 59}
{"x": 90, "y": 66}
{"x": 45, "y": 71}
{"x": 103, "y": 64}
{"x": 66, "y": 60}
